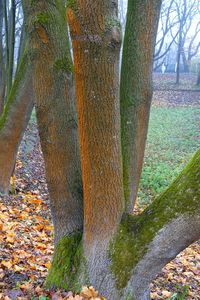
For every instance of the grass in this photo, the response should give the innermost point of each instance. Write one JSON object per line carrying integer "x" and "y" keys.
{"x": 173, "y": 137}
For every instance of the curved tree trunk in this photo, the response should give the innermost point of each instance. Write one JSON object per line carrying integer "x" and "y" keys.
{"x": 147, "y": 242}
{"x": 14, "y": 120}
{"x": 136, "y": 90}
{"x": 56, "y": 114}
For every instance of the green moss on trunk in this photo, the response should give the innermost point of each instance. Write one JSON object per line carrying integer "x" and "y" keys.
{"x": 66, "y": 260}
{"x": 136, "y": 232}
{"x": 21, "y": 72}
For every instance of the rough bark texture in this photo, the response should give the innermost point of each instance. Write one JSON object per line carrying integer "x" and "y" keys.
{"x": 136, "y": 90}
{"x": 14, "y": 120}
{"x": 56, "y": 115}
{"x": 96, "y": 39}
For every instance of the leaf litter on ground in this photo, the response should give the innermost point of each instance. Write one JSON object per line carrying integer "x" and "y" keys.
{"x": 26, "y": 240}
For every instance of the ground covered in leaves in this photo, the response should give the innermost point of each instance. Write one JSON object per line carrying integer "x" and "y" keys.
{"x": 26, "y": 232}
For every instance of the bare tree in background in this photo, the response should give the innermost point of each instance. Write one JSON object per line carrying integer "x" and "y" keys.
{"x": 164, "y": 37}
{"x": 185, "y": 14}
{"x": 179, "y": 27}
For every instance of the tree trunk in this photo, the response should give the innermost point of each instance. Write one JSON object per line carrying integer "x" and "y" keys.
{"x": 22, "y": 44}
{"x": 179, "y": 54}
{"x": 2, "y": 66}
{"x": 11, "y": 45}
{"x": 145, "y": 243}
{"x": 96, "y": 40}
{"x": 56, "y": 114}
{"x": 198, "y": 75}
{"x": 13, "y": 122}
{"x": 119, "y": 255}
{"x": 186, "y": 63}
{"x": 136, "y": 90}
{"x": 6, "y": 38}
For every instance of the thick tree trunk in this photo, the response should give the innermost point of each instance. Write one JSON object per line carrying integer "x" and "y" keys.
{"x": 96, "y": 39}
{"x": 56, "y": 114}
{"x": 136, "y": 90}
{"x": 143, "y": 244}
{"x": 13, "y": 122}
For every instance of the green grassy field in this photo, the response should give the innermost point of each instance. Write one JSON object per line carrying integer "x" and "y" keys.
{"x": 173, "y": 137}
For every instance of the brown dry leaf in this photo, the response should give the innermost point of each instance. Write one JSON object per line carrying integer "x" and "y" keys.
{"x": 36, "y": 201}
{"x": 48, "y": 265}
{"x": 18, "y": 268}
{"x": 89, "y": 292}
{"x": 77, "y": 297}
{"x": 166, "y": 294}
{"x": 10, "y": 239}
{"x": 2, "y": 274}
{"x": 26, "y": 286}
{"x": 41, "y": 246}
{"x": 7, "y": 264}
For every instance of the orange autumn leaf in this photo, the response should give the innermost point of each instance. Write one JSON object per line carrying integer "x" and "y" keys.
{"x": 7, "y": 264}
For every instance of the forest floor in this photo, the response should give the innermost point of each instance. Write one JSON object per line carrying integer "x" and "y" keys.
{"x": 26, "y": 240}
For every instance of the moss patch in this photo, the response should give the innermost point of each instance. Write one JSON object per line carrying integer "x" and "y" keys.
{"x": 73, "y": 5}
{"x": 63, "y": 65}
{"x": 136, "y": 232}
{"x": 42, "y": 18}
{"x": 66, "y": 261}
{"x": 112, "y": 22}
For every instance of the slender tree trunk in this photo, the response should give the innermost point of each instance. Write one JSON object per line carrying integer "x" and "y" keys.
{"x": 186, "y": 63}
{"x": 179, "y": 55}
{"x": 13, "y": 122}
{"x": 198, "y": 75}
{"x": 11, "y": 45}
{"x": 56, "y": 114}
{"x": 2, "y": 66}
{"x": 136, "y": 90}
{"x": 6, "y": 34}
{"x": 22, "y": 44}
